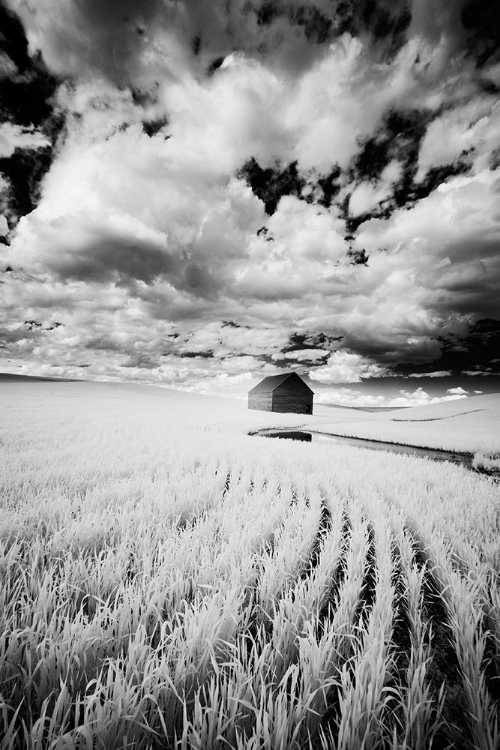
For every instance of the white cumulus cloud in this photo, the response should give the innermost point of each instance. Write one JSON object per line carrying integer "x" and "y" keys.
{"x": 347, "y": 367}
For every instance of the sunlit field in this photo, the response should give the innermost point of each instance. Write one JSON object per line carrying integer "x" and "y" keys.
{"x": 470, "y": 425}
{"x": 168, "y": 581}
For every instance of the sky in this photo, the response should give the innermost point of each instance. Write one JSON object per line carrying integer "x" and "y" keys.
{"x": 197, "y": 195}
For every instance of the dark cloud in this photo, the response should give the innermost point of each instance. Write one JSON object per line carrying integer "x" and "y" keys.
{"x": 305, "y": 350}
{"x": 468, "y": 283}
{"x": 108, "y": 38}
{"x": 389, "y": 348}
{"x": 312, "y": 340}
{"x": 232, "y": 324}
{"x": 201, "y": 280}
{"x": 20, "y": 333}
{"x": 477, "y": 350}
{"x": 104, "y": 343}
{"x": 115, "y": 259}
{"x": 193, "y": 355}
{"x": 322, "y": 22}
{"x": 358, "y": 257}
{"x": 318, "y": 27}
{"x": 113, "y": 38}
{"x": 300, "y": 185}
{"x": 33, "y": 325}
{"x": 141, "y": 361}
{"x": 119, "y": 33}
{"x": 126, "y": 262}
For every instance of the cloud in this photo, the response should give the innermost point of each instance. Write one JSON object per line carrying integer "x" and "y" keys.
{"x": 235, "y": 386}
{"x": 142, "y": 235}
{"x": 458, "y": 391}
{"x": 163, "y": 224}
{"x": 80, "y": 40}
{"x": 129, "y": 40}
{"x": 134, "y": 41}
{"x": 348, "y": 397}
{"x": 354, "y": 398}
{"x": 15, "y": 136}
{"x": 449, "y": 245}
{"x": 467, "y": 131}
{"x": 217, "y": 357}
{"x": 421, "y": 398}
{"x": 435, "y": 374}
{"x": 346, "y": 367}
{"x": 304, "y": 355}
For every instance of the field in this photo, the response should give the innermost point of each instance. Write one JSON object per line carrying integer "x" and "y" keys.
{"x": 168, "y": 581}
{"x": 469, "y": 425}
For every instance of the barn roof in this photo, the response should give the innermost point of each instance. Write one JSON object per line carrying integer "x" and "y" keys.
{"x": 269, "y": 384}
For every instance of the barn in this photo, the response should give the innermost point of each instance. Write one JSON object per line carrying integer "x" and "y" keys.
{"x": 282, "y": 393}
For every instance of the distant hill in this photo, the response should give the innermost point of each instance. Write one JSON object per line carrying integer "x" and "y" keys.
{"x": 489, "y": 402}
{"x": 466, "y": 425}
{"x": 375, "y": 409}
{"x": 10, "y": 377}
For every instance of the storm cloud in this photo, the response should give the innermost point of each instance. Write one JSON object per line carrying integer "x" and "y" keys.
{"x": 323, "y": 175}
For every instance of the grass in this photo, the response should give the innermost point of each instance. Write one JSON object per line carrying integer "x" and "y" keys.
{"x": 465, "y": 425}
{"x": 168, "y": 582}
{"x": 488, "y": 461}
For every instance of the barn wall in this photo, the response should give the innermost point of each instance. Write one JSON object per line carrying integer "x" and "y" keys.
{"x": 291, "y": 396}
{"x": 294, "y": 386}
{"x": 260, "y": 401}
{"x": 291, "y": 401}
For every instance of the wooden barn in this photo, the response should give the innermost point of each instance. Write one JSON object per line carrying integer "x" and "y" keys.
{"x": 283, "y": 393}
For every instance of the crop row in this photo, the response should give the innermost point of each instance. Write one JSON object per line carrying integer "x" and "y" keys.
{"x": 215, "y": 591}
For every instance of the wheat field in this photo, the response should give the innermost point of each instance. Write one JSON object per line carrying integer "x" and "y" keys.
{"x": 469, "y": 425}
{"x": 169, "y": 582}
